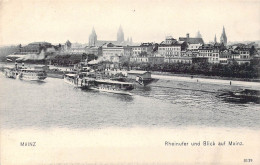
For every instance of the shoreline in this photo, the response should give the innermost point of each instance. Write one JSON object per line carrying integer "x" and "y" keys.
{"x": 62, "y": 69}
{"x": 203, "y": 76}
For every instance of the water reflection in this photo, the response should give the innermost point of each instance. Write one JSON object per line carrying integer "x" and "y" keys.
{"x": 240, "y": 96}
{"x": 33, "y": 82}
{"x": 142, "y": 90}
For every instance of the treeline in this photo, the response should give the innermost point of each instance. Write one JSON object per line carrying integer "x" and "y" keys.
{"x": 68, "y": 60}
{"x": 234, "y": 70}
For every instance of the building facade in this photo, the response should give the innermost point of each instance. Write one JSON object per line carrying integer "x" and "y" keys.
{"x": 144, "y": 48}
{"x": 34, "y": 48}
{"x": 170, "y": 47}
{"x": 192, "y": 43}
{"x": 112, "y": 53}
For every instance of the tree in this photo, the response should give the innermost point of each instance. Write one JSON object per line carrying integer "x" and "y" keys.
{"x": 252, "y": 50}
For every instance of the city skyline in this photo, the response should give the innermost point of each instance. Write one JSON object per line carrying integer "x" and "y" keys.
{"x": 145, "y": 21}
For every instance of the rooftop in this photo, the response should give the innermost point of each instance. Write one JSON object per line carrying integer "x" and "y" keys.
{"x": 192, "y": 40}
{"x": 39, "y": 43}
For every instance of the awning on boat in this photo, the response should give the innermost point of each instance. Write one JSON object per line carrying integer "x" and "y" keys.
{"x": 113, "y": 82}
{"x": 71, "y": 75}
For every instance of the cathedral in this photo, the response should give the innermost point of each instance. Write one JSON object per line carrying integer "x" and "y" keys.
{"x": 120, "y": 39}
{"x": 120, "y": 35}
{"x": 92, "y": 38}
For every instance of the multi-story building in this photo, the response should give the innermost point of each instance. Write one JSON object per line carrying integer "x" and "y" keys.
{"x": 214, "y": 57}
{"x": 79, "y": 50}
{"x": 205, "y": 51}
{"x": 144, "y": 48}
{"x": 192, "y": 43}
{"x": 173, "y": 51}
{"x": 156, "y": 59}
{"x": 136, "y": 50}
{"x": 187, "y": 53}
{"x": 140, "y": 59}
{"x": 235, "y": 55}
{"x": 212, "y": 52}
{"x": 244, "y": 55}
{"x": 112, "y": 53}
{"x": 34, "y": 48}
{"x": 152, "y": 59}
{"x": 176, "y": 59}
{"x": 170, "y": 47}
{"x": 96, "y": 50}
{"x": 128, "y": 51}
{"x": 225, "y": 56}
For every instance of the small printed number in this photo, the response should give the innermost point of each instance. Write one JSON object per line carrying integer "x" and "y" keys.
{"x": 248, "y": 160}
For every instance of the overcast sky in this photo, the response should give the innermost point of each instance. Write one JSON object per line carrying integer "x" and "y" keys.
{"x": 144, "y": 20}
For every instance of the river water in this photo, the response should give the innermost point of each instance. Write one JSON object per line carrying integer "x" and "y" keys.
{"x": 72, "y": 126}
{"x": 166, "y": 103}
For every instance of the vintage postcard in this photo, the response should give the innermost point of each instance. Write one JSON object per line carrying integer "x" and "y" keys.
{"x": 129, "y": 82}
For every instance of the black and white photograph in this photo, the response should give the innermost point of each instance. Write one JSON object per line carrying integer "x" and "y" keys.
{"x": 129, "y": 82}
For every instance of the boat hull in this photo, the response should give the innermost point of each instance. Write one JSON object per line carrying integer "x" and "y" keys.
{"x": 73, "y": 82}
{"x": 10, "y": 74}
{"x": 31, "y": 77}
{"x": 106, "y": 90}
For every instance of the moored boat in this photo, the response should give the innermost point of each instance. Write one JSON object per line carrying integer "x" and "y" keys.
{"x": 103, "y": 85}
{"x": 110, "y": 86}
{"x": 70, "y": 79}
{"x": 141, "y": 78}
{"x": 10, "y": 72}
{"x": 32, "y": 74}
{"x": 77, "y": 80}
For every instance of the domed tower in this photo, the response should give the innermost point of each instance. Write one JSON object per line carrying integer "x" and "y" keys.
{"x": 92, "y": 38}
{"x": 120, "y": 35}
{"x": 223, "y": 38}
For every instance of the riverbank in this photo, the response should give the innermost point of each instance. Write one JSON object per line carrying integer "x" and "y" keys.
{"x": 64, "y": 69}
{"x": 205, "y": 77}
{"x": 60, "y": 75}
{"x": 58, "y": 72}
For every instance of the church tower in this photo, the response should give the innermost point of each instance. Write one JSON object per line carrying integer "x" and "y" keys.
{"x": 198, "y": 35}
{"x": 223, "y": 38}
{"x": 92, "y": 38}
{"x": 215, "y": 39}
{"x": 120, "y": 35}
